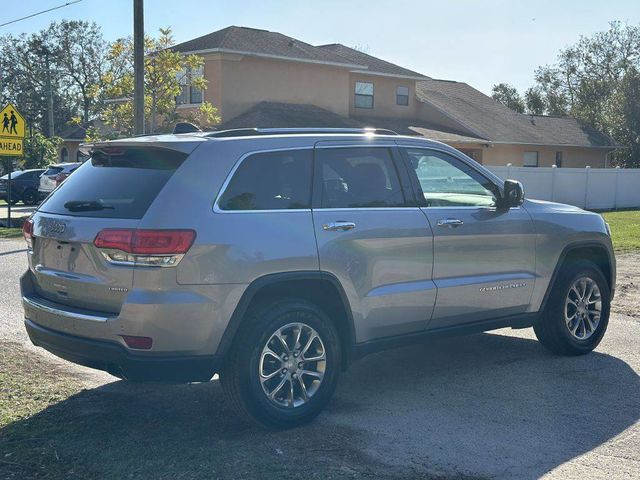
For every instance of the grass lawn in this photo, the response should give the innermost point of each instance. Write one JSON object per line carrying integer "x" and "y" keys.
{"x": 625, "y": 229}
{"x": 10, "y": 232}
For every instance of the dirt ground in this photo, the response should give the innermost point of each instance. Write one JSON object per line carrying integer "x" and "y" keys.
{"x": 627, "y": 299}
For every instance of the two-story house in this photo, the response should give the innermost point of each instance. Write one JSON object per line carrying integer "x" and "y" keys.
{"x": 258, "y": 78}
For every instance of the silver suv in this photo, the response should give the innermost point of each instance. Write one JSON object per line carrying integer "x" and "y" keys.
{"x": 275, "y": 258}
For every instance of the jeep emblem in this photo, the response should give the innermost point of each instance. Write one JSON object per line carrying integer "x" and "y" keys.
{"x": 52, "y": 228}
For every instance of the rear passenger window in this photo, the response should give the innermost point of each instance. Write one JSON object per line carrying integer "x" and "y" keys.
{"x": 359, "y": 178}
{"x": 270, "y": 181}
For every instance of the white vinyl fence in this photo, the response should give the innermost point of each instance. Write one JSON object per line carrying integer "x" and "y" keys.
{"x": 592, "y": 188}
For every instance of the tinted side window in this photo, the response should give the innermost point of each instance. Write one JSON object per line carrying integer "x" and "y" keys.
{"x": 448, "y": 182}
{"x": 359, "y": 178}
{"x": 270, "y": 181}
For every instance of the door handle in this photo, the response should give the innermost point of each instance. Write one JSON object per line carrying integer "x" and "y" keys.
{"x": 450, "y": 222}
{"x": 338, "y": 226}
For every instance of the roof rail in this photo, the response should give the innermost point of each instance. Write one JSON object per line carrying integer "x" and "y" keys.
{"x": 250, "y": 132}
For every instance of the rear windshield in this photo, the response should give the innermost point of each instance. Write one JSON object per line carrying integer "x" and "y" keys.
{"x": 118, "y": 183}
{"x": 53, "y": 170}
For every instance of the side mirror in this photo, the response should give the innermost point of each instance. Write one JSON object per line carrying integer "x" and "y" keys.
{"x": 513, "y": 194}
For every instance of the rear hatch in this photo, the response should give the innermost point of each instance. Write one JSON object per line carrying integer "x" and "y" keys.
{"x": 113, "y": 189}
{"x": 48, "y": 179}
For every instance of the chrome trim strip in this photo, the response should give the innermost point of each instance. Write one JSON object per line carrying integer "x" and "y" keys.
{"x": 365, "y": 209}
{"x": 329, "y": 144}
{"x": 126, "y": 263}
{"x": 63, "y": 313}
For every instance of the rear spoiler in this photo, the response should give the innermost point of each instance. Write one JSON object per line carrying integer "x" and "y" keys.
{"x": 183, "y": 143}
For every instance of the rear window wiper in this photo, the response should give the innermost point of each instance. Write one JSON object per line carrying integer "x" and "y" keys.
{"x": 86, "y": 206}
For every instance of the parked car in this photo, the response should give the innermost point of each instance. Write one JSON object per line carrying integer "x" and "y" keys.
{"x": 278, "y": 257}
{"x": 24, "y": 186}
{"x": 54, "y": 176}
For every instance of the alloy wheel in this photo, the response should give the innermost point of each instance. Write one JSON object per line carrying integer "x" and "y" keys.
{"x": 583, "y": 308}
{"x": 292, "y": 365}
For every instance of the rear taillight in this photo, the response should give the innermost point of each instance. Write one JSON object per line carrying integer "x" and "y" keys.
{"x": 27, "y": 231}
{"x": 61, "y": 177}
{"x": 151, "y": 248}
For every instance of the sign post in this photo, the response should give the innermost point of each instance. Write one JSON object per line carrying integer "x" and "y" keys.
{"x": 12, "y": 130}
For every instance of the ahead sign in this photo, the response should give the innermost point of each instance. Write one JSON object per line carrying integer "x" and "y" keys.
{"x": 11, "y": 131}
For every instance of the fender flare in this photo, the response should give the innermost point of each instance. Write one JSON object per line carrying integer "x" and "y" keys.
{"x": 268, "y": 280}
{"x": 563, "y": 255}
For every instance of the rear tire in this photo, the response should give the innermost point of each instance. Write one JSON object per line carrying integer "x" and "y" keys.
{"x": 577, "y": 313}
{"x": 277, "y": 376}
{"x": 30, "y": 197}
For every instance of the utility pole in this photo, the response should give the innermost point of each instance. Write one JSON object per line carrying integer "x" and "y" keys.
{"x": 138, "y": 66}
{"x": 45, "y": 52}
{"x": 49, "y": 95}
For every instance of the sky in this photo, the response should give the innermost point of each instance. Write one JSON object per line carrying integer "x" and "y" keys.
{"x": 478, "y": 42}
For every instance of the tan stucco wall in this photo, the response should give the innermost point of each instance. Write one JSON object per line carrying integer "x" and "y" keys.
{"x": 236, "y": 83}
{"x": 572, "y": 157}
{"x": 384, "y": 97}
{"x": 72, "y": 148}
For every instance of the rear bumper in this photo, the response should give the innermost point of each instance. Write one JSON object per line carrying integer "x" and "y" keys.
{"x": 115, "y": 359}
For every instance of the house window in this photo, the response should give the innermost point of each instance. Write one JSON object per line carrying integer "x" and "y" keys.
{"x": 530, "y": 159}
{"x": 559, "y": 159}
{"x": 363, "y": 95}
{"x": 195, "y": 93}
{"x": 189, "y": 94}
{"x": 64, "y": 155}
{"x": 402, "y": 96}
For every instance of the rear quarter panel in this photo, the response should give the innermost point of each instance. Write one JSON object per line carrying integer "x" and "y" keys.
{"x": 231, "y": 249}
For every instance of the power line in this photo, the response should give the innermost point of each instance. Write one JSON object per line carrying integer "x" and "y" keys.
{"x": 39, "y": 13}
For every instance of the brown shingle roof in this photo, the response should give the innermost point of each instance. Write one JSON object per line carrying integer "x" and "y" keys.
{"x": 489, "y": 119}
{"x": 79, "y": 132}
{"x": 259, "y": 42}
{"x": 283, "y": 115}
{"x": 273, "y": 44}
{"x": 374, "y": 64}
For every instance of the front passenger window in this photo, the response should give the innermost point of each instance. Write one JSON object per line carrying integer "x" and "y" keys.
{"x": 448, "y": 182}
{"x": 359, "y": 178}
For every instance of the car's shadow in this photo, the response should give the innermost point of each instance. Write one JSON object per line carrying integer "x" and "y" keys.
{"x": 484, "y": 406}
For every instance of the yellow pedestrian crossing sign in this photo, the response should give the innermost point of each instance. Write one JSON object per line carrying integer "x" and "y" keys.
{"x": 11, "y": 132}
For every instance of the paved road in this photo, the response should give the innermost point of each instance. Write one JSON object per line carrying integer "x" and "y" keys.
{"x": 18, "y": 210}
{"x": 491, "y": 406}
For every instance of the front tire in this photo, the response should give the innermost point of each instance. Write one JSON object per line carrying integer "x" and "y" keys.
{"x": 284, "y": 364}
{"x": 577, "y": 313}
